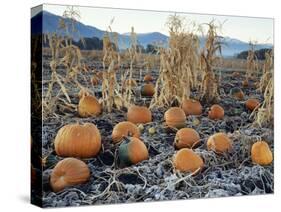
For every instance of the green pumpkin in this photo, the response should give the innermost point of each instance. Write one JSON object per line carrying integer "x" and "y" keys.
{"x": 131, "y": 151}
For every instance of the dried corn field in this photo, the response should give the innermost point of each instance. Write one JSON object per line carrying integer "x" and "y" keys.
{"x": 178, "y": 72}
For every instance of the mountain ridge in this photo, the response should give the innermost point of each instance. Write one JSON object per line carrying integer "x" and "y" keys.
{"x": 50, "y": 22}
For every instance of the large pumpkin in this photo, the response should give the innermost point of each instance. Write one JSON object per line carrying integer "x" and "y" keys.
{"x": 191, "y": 107}
{"x": 219, "y": 143}
{"x": 124, "y": 128}
{"x": 132, "y": 151}
{"x": 186, "y": 160}
{"x": 261, "y": 153}
{"x": 147, "y": 90}
{"x": 69, "y": 172}
{"x": 186, "y": 138}
{"x": 139, "y": 114}
{"x": 89, "y": 106}
{"x": 175, "y": 117}
{"x": 75, "y": 140}
{"x": 216, "y": 112}
{"x": 252, "y": 104}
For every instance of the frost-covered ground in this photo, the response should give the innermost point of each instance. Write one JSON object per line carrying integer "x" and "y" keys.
{"x": 155, "y": 179}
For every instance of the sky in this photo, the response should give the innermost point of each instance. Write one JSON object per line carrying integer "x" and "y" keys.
{"x": 242, "y": 28}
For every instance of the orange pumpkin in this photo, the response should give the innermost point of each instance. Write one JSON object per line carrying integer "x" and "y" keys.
{"x": 186, "y": 138}
{"x": 69, "y": 172}
{"x": 216, "y": 112}
{"x": 148, "y": 78}
{"x": 186, "y": 160}
{"x": 124, "y": 128}
{"x": 191, "y": 107}
{"x": 261, "y": 153}
{"x": 147, "y": 90}
{"x": 132, "y": 151}
{"x": 139, "y": 114}
{"x": 237, "y": 93}
{"x": 75, "y": 140}
{"x": 89, "y": 106}
{"x": 175, "y": 117}
{"x": 219, "y": 143}
{"x": 252, "y": 104}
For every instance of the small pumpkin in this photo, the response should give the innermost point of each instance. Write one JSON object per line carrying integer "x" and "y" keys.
{"x": 252, "y": 104}
{"x": 219, "y": 143}
{"x": 186, "y": 138}
{"x": 237, "y": 93}
{"x": 89, "y": 106}
{"x": 124, "y": 128}
{"x": 95, "y": 80}
{"x": 245, "y": 83}
{"x": 175, "y": 117}
{"x": 235, "y": 74}
{"x": 132, "y": 151}
{"x": 75, "y": 140}
{"x": 139, "y": 114}
{"x": 216, "y": 112}
{"x": 261, "y": 153}
{"x": 186, "y": 160}
{"x": 147, "y": 90}
{"x": 148, "y": 78}
{"x": 191, "y": 107}
{"x": 69, "y": 172}
{"x": 131, "y": 82}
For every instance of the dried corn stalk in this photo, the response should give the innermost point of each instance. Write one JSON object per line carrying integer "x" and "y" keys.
{"x": 209, "y": 57}
{"x": 111, "y": 63}
{"x": 178, "y": 65}
{"x": 264, "y": 114}
{"x": 252, "y": 66}
{"x": 267, "y": 71}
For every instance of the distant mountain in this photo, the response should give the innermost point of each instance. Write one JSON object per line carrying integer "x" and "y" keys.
{"x": 50, "y": 23}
